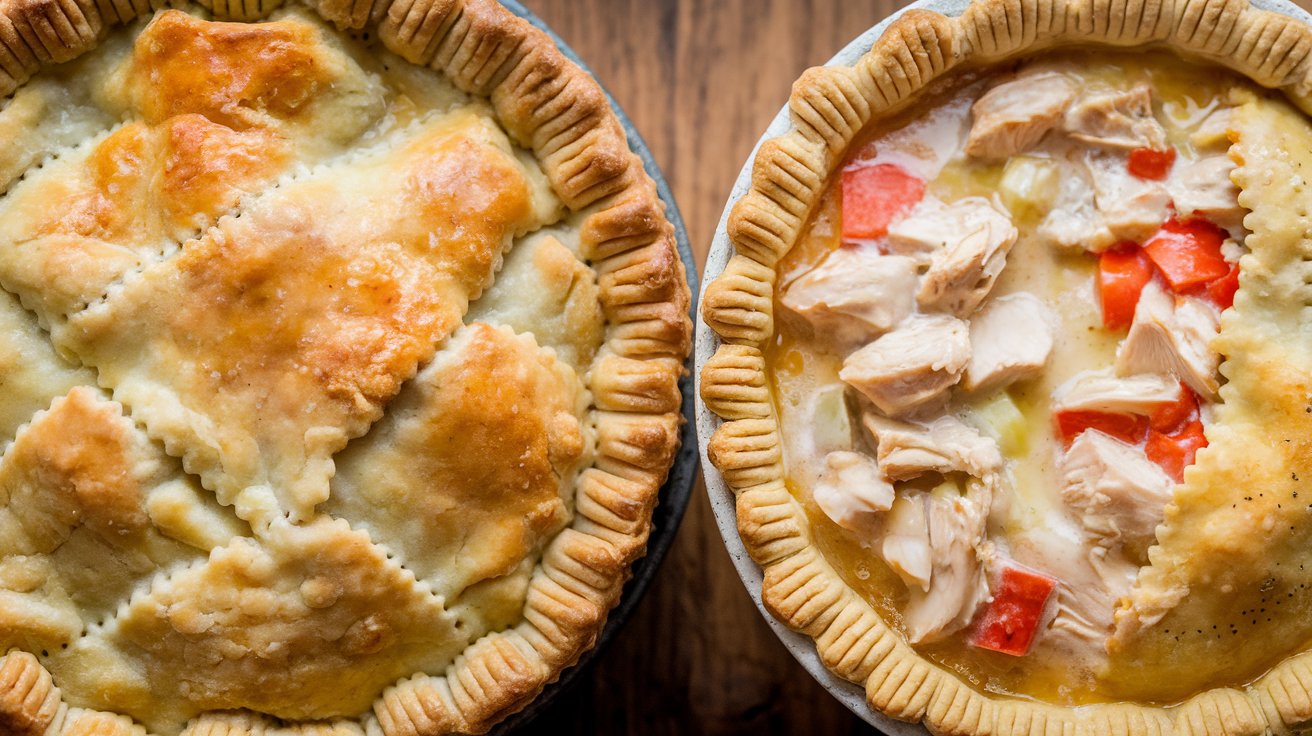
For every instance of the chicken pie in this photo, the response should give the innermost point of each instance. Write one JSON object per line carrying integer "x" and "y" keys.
{"x": 338, "y": 368}
{"x": 1014, "y": 374}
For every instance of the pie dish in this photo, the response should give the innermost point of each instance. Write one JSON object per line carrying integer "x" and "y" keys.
{"x": 342, "y": 357}
{"x": 957, "y": 280}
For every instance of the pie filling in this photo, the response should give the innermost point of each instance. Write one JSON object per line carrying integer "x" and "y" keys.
{"x": 995, "y": 354}
{"x": 217, "y": 276}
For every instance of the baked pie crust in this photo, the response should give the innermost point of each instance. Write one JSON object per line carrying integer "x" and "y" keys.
{"x": 340, "y": 368}
{"x": 1235, "y": 534}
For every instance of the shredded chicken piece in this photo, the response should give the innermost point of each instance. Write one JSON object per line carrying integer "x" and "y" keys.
{"x": 1102, "y": 390}
{"x": 912, "y": 365}
{"x": 1091, "y": 582}
{"x": 1131, "y": 208}
{"x": 852, "y": 490}
{"x": 1010, "y": 340}
{"x": 1119, "y": 119}
{"x": 928, "y": 227}
{"x": 854, "y": 295}
{"x": 1016, "y": 114}
{"x": 1118, "y": 493}
{"x": 957, "y": 586}
{"x": 1073, "y": 221}
{"x": 1203, "y": 187}
{"x": 962, "y": 272}
{"x": 1172, "y": 335}
{"x": 946, "y": 444}
{"x": 906, "y": 542}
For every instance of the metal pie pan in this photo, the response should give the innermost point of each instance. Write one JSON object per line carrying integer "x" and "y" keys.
{"x": 706, "y": 342}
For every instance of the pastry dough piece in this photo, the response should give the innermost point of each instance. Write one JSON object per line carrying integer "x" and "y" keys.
{"x": 221, "y": 110}
{"x": 310, "y": 622}
{"x": 291, "y": 75}
{"x": 260, "y": 349}
{"x": 473, "y": 470}
{"x": 1229, "y": 587}
{"x": 56, "y": 111}
{"x": 31, "y": 373}
{"x": 78, "y": 526}
{"x": 546, "y": 291}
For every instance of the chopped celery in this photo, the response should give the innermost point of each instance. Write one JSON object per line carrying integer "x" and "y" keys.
{"x": 1029, "y": 184}
{"x": 830, "y": 420}
{"x": 1001, "y": 419}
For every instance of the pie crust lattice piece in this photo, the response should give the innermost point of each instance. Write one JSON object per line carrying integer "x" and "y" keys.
{"x": 380, "y": 331}
{"x": 1222, "y": 556}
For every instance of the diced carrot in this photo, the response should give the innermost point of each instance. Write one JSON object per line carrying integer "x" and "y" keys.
{"x": 1013, "y": 616}
{"x": 1175, "y": 451}
{"x": 1222, "y": 291}
{"x": 1150, "y": 163}
{"x": 1122, "y": 274}
{"x": 1128, "y": 428}
{"x": 1172, "y": 417}
{"x": 875, "y": 196}
{"x": 1188, "y": 253}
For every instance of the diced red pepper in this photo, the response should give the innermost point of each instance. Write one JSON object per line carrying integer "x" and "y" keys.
{"x": 1172, "y": 417}
{"x": 1122, "y": 274}
{"x": 1175, "y": 451}
{"x": 1012, "y": 618}
{"x": 874, "y": 196}
{"x": 1188, "y": 253}
{"x": 1129, "y": 428}
{"x": 1222, "y": 291}
{"x": 1150, "y": 163}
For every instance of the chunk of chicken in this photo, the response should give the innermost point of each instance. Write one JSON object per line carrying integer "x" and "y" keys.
{"x": 1015, "y": 115}
{"x": 1117, "y": 493}
{"x": 929, "y": 226}
{"x": 946, "y": 444}
{"x": 906, "y": 541}
{"x": 855, "y": 294}
{"x": 1092, "y": 581}
{"x": 1120, "y": 119}
{"x": 962, "y": 272}
{"x": 852, "y": 491}
{"x": 1232, "y": 250}
{"x": 957, "y": 586}
{"x": 1104, "y": 391}
{"x": 1073, "y": 221}
{"x": 1131, "y": 208}
{"x": 912, "y": 365}
{"x": 1010, "y": 340}
{"x": 1203, "y": 187}
{"x": 1172, "y": 336}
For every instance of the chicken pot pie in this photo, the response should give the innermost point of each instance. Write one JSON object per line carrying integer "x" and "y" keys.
{"x": 1012, "y": 369}
{"x": 339, "y": 372}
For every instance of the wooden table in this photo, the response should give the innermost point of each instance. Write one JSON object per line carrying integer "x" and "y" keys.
{"x": 701, "y": 79}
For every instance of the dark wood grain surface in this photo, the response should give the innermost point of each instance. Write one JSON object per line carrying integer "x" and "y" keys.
{"x": 701, "y": 79}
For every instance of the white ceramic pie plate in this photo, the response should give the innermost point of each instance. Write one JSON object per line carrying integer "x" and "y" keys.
{"x": 706, "y": 342}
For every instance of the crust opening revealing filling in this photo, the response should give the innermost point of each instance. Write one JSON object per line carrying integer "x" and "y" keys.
{"x": 303, "y": 341}
{"x": 1013, "y": 372}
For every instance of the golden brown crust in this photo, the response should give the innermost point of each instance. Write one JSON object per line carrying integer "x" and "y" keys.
{"x": 829, "y": 108}
{"x": 29, "y": 700}
{"x": 300, "y": 319}
{"x": 550, "y": 106}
